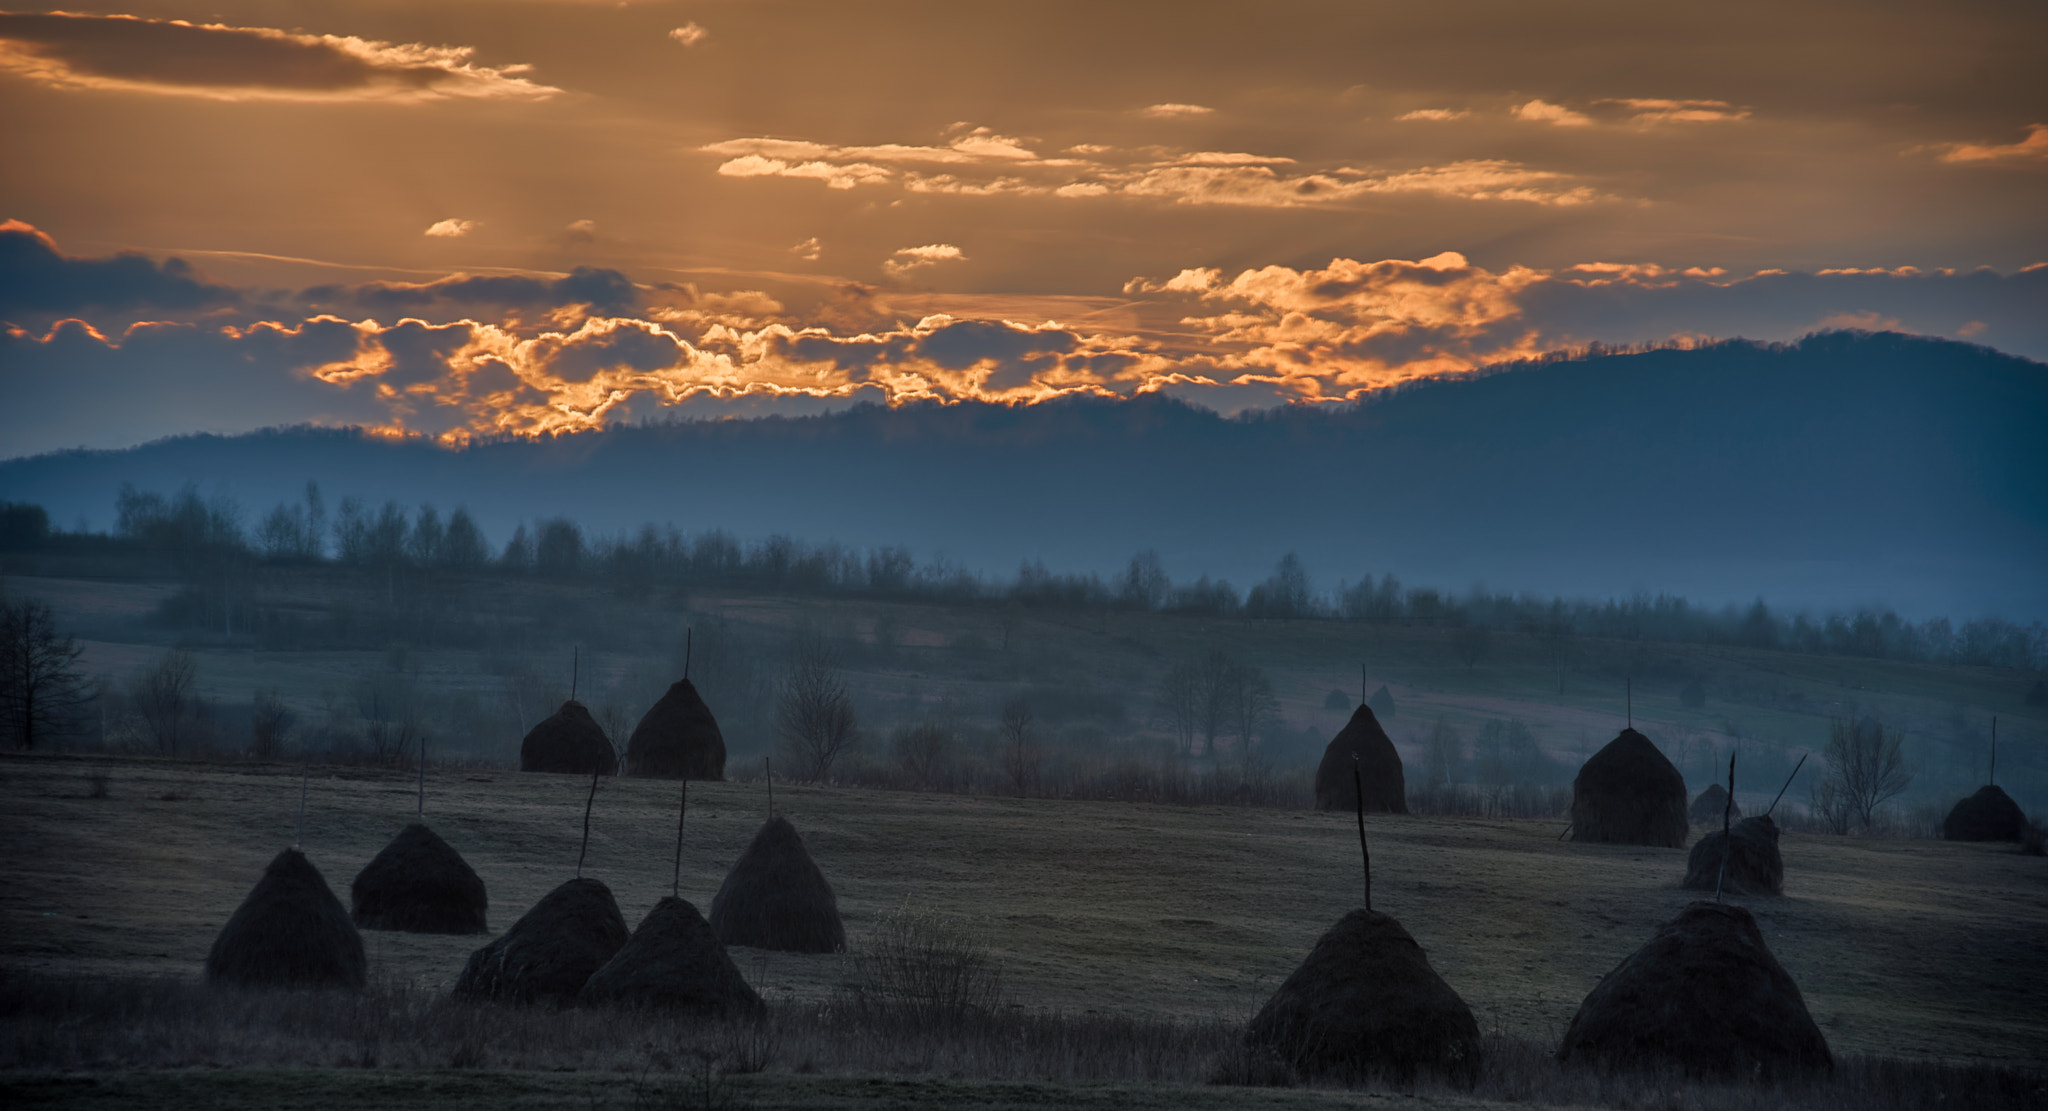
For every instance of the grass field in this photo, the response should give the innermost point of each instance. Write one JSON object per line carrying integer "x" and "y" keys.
{"x": 1917, "y": 949}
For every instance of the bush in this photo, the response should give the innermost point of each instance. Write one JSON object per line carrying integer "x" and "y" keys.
{"x": 934, "y": 968}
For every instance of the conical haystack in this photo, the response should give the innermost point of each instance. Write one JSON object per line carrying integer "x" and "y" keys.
{"x": 1379, "y": 768}
{"x": 569, "y": 740}
{"x": 1382, "y": 702}
{"x": 419, "y": 884}
{"x": 1628, "y": 793}
{"x": 550, "y": 952}
{"x": 1988, "y": 815}
{"x": 1707, "y": 809}
{"x": 1754, "y": 866}
{"x": 673, "y": 962}
{"x": 1705, "y": 996}
{"x": 290, "y": 932}
{"x": 1365, "y": 1002}
{"x": 677, "y": 738}
{"x": 776, "y": 898}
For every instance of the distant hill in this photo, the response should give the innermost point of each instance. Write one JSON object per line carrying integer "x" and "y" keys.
{"x": 1845, "y": 469}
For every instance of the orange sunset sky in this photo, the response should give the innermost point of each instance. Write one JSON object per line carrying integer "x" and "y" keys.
{"x": 456, "y": 218}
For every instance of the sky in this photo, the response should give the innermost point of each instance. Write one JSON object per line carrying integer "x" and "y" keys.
{"x": 530, "y": 216}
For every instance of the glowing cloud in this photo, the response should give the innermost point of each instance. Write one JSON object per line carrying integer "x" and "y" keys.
{"x": 1437, "y": 114}
{"x": 1176, "y": 111}
{"x": 908, "y": 259}
{"x": 810, "y": 250}
{"x": 689, "y": 34}
{"x": 132, "y": 54}
{"x": 450, "y": 228}
{"x": 1681, "y": 111}
{"x": 2033, "y": 148}
{"x": 1557, "y": 115}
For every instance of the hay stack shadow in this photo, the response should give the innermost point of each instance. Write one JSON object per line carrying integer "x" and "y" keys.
{"x": 1708, "y": 808}
{"x": 1754, "y": 865}
{"x": 677, "y": 738}
{"x": 289, "y": 932}
{"x": 1629, "y": 794}
{"x": 775, "y": 897}
{"x": 1366, "y": 1002}
{"x": 673, "y": 962}
{"x": 551, "y": 952}
{"x": 1705, "y": 996}
{"x": 419, "y": 884}
{"x": 1378, "y": 767}
{"x": 569, "y": 740}
{"x": 1988, "y": 815}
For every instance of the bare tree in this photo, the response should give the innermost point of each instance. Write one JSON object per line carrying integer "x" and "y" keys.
{"x": 1471, "y": 643}
{"x": 1865, "y": 766}
{"x": 1252, "y": 711}
{"x": 1217, "y": 675}
{"x": 163, "y": 696}
{"x": 922, "y": 751}
{"x": 813, "y": 712}
{"x": 1020, "y": 756}
{"x": 41, "y": 688}
{"x": 1442, "y": 755}
{"x": 269, "y": 721}
{"x": 1180, "y": 699}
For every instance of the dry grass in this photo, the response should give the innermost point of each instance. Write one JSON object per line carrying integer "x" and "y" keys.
{"x": 1134, "y": 938}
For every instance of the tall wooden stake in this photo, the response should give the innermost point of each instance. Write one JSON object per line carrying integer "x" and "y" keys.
{"x": 682, "y": 810}
{"x": 768, "y": 765}
{"x": 1362, "y": 682}
{"x": 587, "y": 803}
{"x": 575, "y": 666}
{"x": 687, "y": 635}
{"x": 420, "y": 815}
{"x": 1994, "y": 750}
{"x": 1628, "y": 693}
{"x": 299, "y": 832}
{"x": 1358, "y": 785}
{"x": 1788, "y": 782}
{"x": 1727, "y": 817}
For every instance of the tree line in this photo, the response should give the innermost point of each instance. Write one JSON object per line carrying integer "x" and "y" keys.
{"x": 206, "y": 542}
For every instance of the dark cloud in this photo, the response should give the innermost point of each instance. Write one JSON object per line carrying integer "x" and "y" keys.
{"x": 604, "y": 290}
{"x": 126, "y": 52}
{"x": 37, "y": 278}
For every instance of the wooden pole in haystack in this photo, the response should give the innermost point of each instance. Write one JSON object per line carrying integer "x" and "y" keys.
{"x": 420, "y": 814}
{"x": 587, "y": 803}
{"x": 1358, "y": 785}
{"x": 1628, "y": 694}
{"x": 687, "y": 635}
{"x": 675, "y": 887}
{"x": 1788, "y": 783}
{"x": 1727, "y": 819}
{"x": 1994, "y": 751}
{"x": 768, "y": 770}
{"x": 575, "y": 666}
{"x": 299, "y": 831}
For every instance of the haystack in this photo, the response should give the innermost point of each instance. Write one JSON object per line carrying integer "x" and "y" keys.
{"x": 1366, "y": 1002}
{"x": 1754, "y": 866}
{"x": 550, "y": 952}
{"x": 289, "y": 932}
{"x": 1704, "y": 996}
{"x": 419, "y": 884}
{"x": 673, "y": 962}
{"x": 677, "y": 738}
{"x": 776, "y": 898}
{"x": 1988, "y": 815}
{"x": 1629, "y": 794}
{"x": 1379, "y": 768}
{"x": 1707, "y": 809}
{"x": 1382, "y": 702}
{"x": 568, "y": 741}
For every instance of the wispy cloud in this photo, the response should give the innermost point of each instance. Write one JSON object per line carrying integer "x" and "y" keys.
{"x": 1435, "y": 114}
{"x": 689, "y": 34}
{"x": 1680, "y": 111}
{"x": 131, "y": 54}
{"x": 450, "y": 228}
{"x": 1557, "y": 115}
{"x": 2033, "y": 148}
{"x": 908, "y": 259}
{"x": 980, "y": 162}
{"x": 1176, "y": 111}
